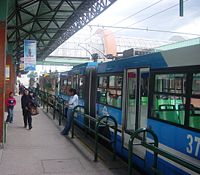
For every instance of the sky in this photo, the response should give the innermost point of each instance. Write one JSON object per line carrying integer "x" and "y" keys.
{"x": 147, "y": 14}
{"x": 152, "y": 14}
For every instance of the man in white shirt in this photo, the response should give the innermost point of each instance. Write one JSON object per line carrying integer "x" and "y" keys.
{"x": 73, "y": 102}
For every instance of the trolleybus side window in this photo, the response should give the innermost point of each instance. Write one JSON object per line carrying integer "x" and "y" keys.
{"x": 169, "y": 97}
{"x": 109, "y": 90}
{"x": 75, "y": 82}
{"x": 63, "y": 85}
{"x": 103, "y": 81}
{"x": 68, "y": 85}
{"x": 111, "y": 81}
{"x": 81, "y": 86}
{"x": 194, "y": 118}
{"x": 64, "y": 82}
{"x": 196, "y": 84}
{"x": 69, "y": 81}
{"x": 101, "y": 91}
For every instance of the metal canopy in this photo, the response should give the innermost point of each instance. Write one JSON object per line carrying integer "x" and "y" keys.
{"x": 50, "y": 22}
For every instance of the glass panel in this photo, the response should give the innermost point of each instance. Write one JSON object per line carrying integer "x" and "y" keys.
{"x": 75, "y": 82}
{"x": 119, "y": 99}
{"x": 69, "y": 81}
{"x": 81, "y": 86}
{"x": 63, "y": 86}
{"x": 196, "y": 84}
{"x": 111, "y": 81}
{"x": 115, "y": 82}
{"x": 112, "y": 95}
{"x": 100, "y": 81}
{"x": 194, "y": 121}
{"x": 169, "y": 108}
{"x": 131, "y": 99}
{"x": 118, "y": 82}
{"x": 144, "y": 84}
{"x": 101, "y": 96}
{"x": 170, "y": 83}
{"x": 103, "y": 82}
{"x": 65, "y": 82}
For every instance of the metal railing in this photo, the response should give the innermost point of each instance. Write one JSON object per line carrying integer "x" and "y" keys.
{"x": 157, "y": 151}
{"x": 104, "y": 121}
{"x": 76, "y": 110}
{"x": 101, "y": 122}
{"x": 58, "y": 104}
{"x": 55, "y": 102}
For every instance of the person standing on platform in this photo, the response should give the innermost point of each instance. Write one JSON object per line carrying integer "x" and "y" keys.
{"x": 10, "y": 103}
{"x": 25, "y": 103}
{"x": 73, "y": 102}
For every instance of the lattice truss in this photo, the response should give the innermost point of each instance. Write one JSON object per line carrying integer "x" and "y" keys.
{"x": 50, "y": 22}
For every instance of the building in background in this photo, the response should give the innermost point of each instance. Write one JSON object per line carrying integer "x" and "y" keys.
{"x": 104, "y": 43}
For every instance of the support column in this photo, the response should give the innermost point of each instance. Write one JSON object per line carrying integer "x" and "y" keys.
{"x": 2, "y": 75}
{"x": 3, "y": 37}
{"x": 10, "y": 77}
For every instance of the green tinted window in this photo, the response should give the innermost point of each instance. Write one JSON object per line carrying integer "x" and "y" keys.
{"x": 169, "y": 108}
{"x": 109, "y": 90}
{"x": 194, "y": 119}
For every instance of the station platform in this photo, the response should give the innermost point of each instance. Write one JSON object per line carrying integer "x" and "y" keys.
{"x": 43, "y": 151}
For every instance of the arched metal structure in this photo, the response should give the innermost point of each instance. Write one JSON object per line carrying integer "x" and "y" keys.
{"x": 49, "y": 22}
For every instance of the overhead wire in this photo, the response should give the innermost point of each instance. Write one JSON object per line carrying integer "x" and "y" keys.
{"x": 147, "y": 29}
{"x": 124, "y": 19}
{"x": 149, "y": 17}
{"x": 151, "y": 5}
{"x": 156, "y": 13}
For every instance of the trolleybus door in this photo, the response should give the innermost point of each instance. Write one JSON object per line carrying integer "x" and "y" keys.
{"x": 135, "y": 106}
{"x": 143, "y": 97}
{"x": 90, "y": 97}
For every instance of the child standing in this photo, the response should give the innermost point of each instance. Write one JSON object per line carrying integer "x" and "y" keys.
{"x": 10, "y": 103}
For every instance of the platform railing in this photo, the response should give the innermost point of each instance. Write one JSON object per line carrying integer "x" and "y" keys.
{"x": 104, "y": 121}
{"x": 58, "y": 104}
{"x": 76, "y": 110}
{"x": 59, "y": 107}
{"x": 55, "y": 102}
{"x": 156, "y": 150}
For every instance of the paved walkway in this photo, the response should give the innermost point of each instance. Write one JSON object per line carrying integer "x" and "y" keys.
{"x": 43, "y": 151}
